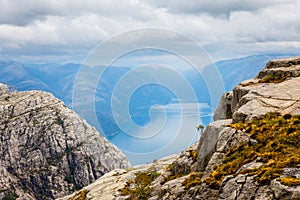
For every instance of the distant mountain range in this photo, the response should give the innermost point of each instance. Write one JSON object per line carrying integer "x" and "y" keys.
{"x": 59, "y": 80}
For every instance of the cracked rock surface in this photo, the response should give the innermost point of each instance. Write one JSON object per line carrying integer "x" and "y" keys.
{"x": 47, "y": 150}
{"x": 262, "y": 98}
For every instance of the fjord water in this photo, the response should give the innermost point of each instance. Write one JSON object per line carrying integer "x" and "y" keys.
{"x": 164, "y": 123}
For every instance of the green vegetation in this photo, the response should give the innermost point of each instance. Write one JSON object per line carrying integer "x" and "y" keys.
{"x": 193, "y": 179}
{"x": 139, "y": 188}
{"x": 278, "y": 146}
{"x": 290, "y": 181}
{"x": 273, "y": 78}
{"x": 81, "y": 195}
{"x": 200, "y": 128}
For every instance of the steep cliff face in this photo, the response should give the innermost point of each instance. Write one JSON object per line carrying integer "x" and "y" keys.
{"x": 251, "y": 150}
{"x": 47, "y": 150}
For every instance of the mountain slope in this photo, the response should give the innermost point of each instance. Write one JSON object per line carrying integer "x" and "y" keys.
{"x": 47, "y": 150}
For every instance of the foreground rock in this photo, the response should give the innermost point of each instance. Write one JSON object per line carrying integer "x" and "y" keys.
{"x": 110, "y": 185}
{"x": 251, "y": 151}
{"x": 46, "y": 150}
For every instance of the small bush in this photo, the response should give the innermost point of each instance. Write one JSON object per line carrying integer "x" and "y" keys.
{"x": 139, "y": 188}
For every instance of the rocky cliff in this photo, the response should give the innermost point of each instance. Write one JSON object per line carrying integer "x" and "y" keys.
{"x": 251, "y": 150}
{"x": 46, "y": 150}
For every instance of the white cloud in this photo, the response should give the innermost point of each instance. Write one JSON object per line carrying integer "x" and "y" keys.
{"x": 216, "y": 7}
{"x": 75, "y": 27}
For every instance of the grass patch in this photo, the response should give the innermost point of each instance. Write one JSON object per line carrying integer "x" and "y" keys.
{"x": 278, "y": 146}
{"x": 139, "y": 188}
{"x": 193, "y": 179}
{"x": 81, "y": 195}
{"x": 273, "y": 78}
{"x": 290, "y": 181}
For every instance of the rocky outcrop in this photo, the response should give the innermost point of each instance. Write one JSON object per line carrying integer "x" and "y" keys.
{"x": 275, "y": 89}
{"x": 251, "y": 151}
{"x": 3, "y": 89}
{"x": 223, "y": 110}
{"x": 46, "y": 150}
{"x": 208, "y": 143}
{"x": 284, "y": 68}
{"x": 255, "y": 100}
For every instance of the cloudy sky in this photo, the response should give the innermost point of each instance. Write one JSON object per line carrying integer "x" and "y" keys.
{"x": 67, "y": 30}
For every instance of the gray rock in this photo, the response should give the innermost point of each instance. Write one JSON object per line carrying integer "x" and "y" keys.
{"x": 280, "y": 191}
{"x": 107, "y": 187}
{"x": 267, "y": 97}
{"x": 287, "y": 67}
{"x": 252, "y": 99}
{"x": 229, "y": 138}
{"x": 185, "y": 161}
{"x": 208, "y": 142}
{"x": 264, "y": 193}
{"x": 223, "y": 110}
{"x": 3, "y": 89}
{"x": 241, "y": 187}
{"x": 172, "y": 189}
{"x": 291, "y": 172}
{"x": 252, "y": 165}
{"x": 47, "y": 150}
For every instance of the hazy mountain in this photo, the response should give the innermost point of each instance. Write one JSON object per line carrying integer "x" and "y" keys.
{"x": 14, "y": 74}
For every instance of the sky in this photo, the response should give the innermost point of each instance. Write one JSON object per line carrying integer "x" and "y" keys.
{"x": 67, "y": 30}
